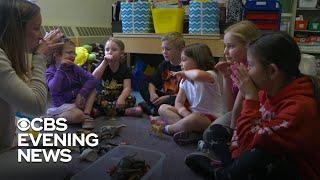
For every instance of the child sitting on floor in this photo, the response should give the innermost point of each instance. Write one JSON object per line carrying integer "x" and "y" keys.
{"x": 163, "y": 87}
{"x": 278, "y": 122}
{"x": 72, "y": 89}
{"x": 115, "y": 98}
{"x": 200, "y": 89}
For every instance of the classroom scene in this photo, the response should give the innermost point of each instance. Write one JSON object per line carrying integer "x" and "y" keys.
{"x": 159, "y": 89}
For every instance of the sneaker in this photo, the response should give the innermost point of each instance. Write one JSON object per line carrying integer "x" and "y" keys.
{"x": 184, "y": 138}
{"x": 202, "y": 147}
{"x": 203, "y": 164}
{"x": 134, "y": 111}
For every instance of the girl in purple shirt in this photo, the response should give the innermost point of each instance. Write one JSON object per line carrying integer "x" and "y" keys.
{"x": 72, "y": 88}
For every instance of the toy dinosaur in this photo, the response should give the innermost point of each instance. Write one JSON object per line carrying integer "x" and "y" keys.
{"x": 128, "y": 168}
{"x": 109, "y": 132}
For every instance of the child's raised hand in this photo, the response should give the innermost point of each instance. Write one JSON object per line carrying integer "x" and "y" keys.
{"x": 108, "y": 57}
{"x": 67, "y": 61}
{"x": 244, "y": 82}
{"x": 179, "y": 74}
{"x": 120, "y": 103}
{"x": 224, "y": 67}
{"x": 153, "y": 97}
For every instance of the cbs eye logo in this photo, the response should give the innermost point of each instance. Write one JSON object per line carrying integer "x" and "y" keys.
{"x": 23, "y": 124}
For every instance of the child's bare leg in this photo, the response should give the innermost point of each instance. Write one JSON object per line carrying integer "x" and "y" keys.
{"x": 169, "y": 113}
{"x": 74, "y": 115}
{"x": 90, "y": 100}
{"x": 192, "y": 122}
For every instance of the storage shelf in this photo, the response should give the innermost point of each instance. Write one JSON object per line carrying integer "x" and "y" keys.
{"x": 310, "y": 49}
{"x": 308, "y": 9}
{"x": 286, "y": 15}
{"x": 307, "y": 31}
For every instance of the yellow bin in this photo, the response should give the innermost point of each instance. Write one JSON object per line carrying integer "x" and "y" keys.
{"x": 168, "y": 20}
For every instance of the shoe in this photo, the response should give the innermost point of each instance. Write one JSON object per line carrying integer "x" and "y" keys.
{"x": 134, "y": 111}
{"x": 203, "y": 164}
{"x": 148, "y": 109}
{"x": 158, "y": 127}
{"x": 202, "y": 147}
{"x": 184, "y": 138}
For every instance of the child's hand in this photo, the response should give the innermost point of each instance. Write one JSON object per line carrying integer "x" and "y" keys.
{"x": 224, "y": 67}
{"x": 108, "y": 57}
{"x": 67, "y": 61}
{"x": 153, "y": 97}
{"x": 245, "y": 83}
{"x": 120, "y": 103}
{"x": 80, "y": 101}
{"x": 179, "y": 74}
{"x": 160, "y": 100}
{"x": 184, "y": 112}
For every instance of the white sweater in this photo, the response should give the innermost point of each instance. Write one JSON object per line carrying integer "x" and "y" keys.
{"x": 15, "y": 94}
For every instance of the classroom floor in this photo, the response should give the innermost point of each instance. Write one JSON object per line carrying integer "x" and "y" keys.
{"x": 136, "y": 133}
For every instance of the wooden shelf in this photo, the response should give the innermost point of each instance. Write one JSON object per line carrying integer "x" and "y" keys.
{"x": 150, "y": 43}
{"x": 308, "y": 9}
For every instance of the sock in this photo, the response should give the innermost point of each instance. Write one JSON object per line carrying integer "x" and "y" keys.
{"x": 166, "y": 130}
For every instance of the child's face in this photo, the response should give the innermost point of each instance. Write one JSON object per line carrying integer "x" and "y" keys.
{"x": 114, "y": 50}
{"x": 257, "y": 72}
{"x": 68, "y": 52}
{"x": 169, "y": 52}
{"x": 187, "y": 63}
{"x": 234, "y": 49}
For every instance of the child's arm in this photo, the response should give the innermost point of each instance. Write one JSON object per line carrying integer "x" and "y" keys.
{"x": 156, "y": 81}
{"x": 54, "y": 77}
{"x": 236, "y": 110}
{"x": 179, "y": 103}
{"x": 292, "y": 129}
{"x": 196, "y": 75}
{"x": 224, "y": 68}
{"x": 125, "y": 92}
{"x": 98, "y": 72}
{"x": 89, "y": 82}
{"x": 227, "y": 93}
{"x": 152, "y": 91}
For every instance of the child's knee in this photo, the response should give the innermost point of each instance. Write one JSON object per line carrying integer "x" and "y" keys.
{"x": 77, "y": 117}
{"x": 163, "y": 109}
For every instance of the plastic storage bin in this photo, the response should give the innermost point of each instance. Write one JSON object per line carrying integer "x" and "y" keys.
{"x": 267, "y": 5}
{"x": 204, "y": 17}
{"x": 301, "y": 25}
{"x": 168, "y": 20}
{"x": 97, "y": 170}
{"x": 136, "y": 17}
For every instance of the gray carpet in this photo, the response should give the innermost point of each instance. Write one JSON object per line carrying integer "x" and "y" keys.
{"x": 137, "y": 133}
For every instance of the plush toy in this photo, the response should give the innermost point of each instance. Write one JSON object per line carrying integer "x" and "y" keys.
{"x": 86, "y": 57}
{"x": 81, "y": 56}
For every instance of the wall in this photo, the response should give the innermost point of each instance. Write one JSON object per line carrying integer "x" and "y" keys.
{"x": 95, "y": 13}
